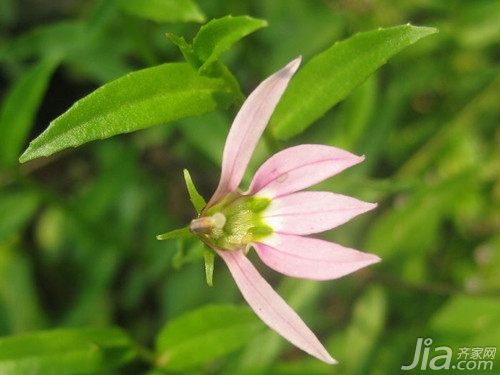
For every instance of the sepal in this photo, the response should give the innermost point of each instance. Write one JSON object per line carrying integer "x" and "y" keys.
{"x": 195, "y": 197}
{"x": 209, "y": 257}
{"x": 176, "y": 233}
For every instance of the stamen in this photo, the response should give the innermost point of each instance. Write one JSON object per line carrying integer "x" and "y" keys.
{"x": 205, "y": 224}
{"x": 201, "y": 225}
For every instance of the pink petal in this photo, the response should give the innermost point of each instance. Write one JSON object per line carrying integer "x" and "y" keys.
{"x": 271, "y": 308}
{"x": 310, "y": 258}
{"x": 248, "y": 127}
{"x": 299, "y": 167}
{"x": 309, "y": 212}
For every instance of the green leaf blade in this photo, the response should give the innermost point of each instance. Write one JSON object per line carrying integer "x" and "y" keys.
{"x": 332, "y": 75}
{"x": 19, "y": 207}
{"x": 364, "y": 331}
{"x": 19, "y": 298}
{"x": 18, "y": 112}
{"x": 186, "y": 49}
{"x": 65, "y": 351}
{"x": 205, "y": 334}
{"x": 53, "y": 41}
{"x": 163, "y": 10}
{"x": 219, "y": 35}
{"x": 136, "y": 101}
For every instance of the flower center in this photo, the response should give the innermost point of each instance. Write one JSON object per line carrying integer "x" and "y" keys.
{"x": 233, "y": 223}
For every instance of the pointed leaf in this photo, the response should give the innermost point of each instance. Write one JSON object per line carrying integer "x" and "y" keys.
{"x": 482, "y": 315}
{"x": 364, "y": 331}
{"x": 136, "y": 101}
{"x": 186, "y": 49}
{"x": 219, "y": 35}
{"x": 332, "y": 75}
{"x": 65, "y": 351}
{"x": 53, "y": 41}
{"x": 19, "y": 109}
{"x": 163, "y": 10}
{"x": 204, "y": 334}
{"x": 19, "y": 295}
{"x": 17, "y": 208}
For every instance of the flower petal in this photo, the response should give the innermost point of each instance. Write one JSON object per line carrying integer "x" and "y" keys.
{"x": 310, "y": 258}
{"x": 299, "y": 167}
{"x": 271, "y": 308}
{"x": 248, "y": 127}
{"x": 309, "y": 212}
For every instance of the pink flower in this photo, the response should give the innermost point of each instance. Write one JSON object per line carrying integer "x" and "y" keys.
{"x": 273, "y": 215}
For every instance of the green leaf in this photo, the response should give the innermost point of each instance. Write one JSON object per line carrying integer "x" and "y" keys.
{"x": 205, "y": 334}
{"x": 136, "y": 101}
{"x": 18, "y": 112}
{"x": 214, "y": 38}
{"x": 85, "y": 46}
{"x": 423, "y": 212}
{"x": 356, "y": 111}
{"x": 20, "y": 306}
{"x": 18, "y": 207}
{"x": 65, "y": 351}
{"x": 186, "y": 50}
{"x": 219, "y": 35}
{"x": 364, "y": 331}
{"x": 53, "y": 41}
{"x": 163, "y": 10}
{"x": 330, "y": 76}
{"x": 197, "y": 200}
{"x": 216, "y": 129}
{"x": 467, "y": 321}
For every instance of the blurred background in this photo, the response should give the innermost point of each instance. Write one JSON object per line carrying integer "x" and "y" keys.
{"x": 77, "y": 229}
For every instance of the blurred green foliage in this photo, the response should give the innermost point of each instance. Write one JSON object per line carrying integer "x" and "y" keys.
{"x": 77, "y": 229}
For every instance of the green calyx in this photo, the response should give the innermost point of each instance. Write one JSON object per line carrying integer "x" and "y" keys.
{"x": 233, "y": 223}
{"x": 230, "y": 225}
